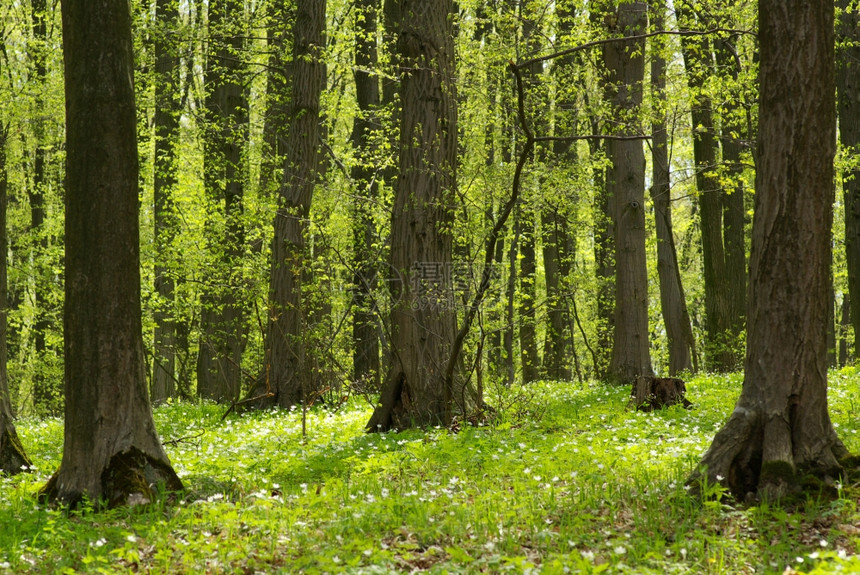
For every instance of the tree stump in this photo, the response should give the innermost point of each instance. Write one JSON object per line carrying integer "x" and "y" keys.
{"x": 651, "y": 393}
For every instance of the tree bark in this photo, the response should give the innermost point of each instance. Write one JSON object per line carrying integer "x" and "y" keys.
{"x": 848, "y": 87}
{"x": 219, "y": 374}
{"x": 732, "y": 133}
{"x": 720, "y": 341}
{"x": 46, "y": 396}
{"x": 602, "y": 217}
{"x": 529, "y": 360}
{"x": 13, "y": 458}
{"x": 558, "y": 241}
{"x": 414, "y": 393}
{"x": 673, "y": 304}
{"x": 111, "y": 451}
{"x": 780, "y": 427}
{"x": 364, "y": 330}
{"x": 287, "y": 373}
{"x": 166, "y": 120}
{"x": 625, "y": 63}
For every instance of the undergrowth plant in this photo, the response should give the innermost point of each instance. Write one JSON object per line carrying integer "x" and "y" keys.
{"x": 564, "y": 480}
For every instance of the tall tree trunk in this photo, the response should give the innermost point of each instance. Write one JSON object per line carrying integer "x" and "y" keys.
{"x": 555, "y": 232}
{"x": 166, "y": 120}
{"x": 556, "y": 260}
{"x": 732, "y": 132}
{"x": 848, "y": 86}
{"x": 780, "y": 428}
{"x": 219, "y": 374}
{"x": 625, "y": 63}
{"x": 13, "y": 458}
{"x": 45, "y": 394}
{"x": 414, "y": 393}
{"x": 287, "y": 373}
{"x": 720, "y": 343}
{"x": 364, "y": 330}
{"x": 510, "y": 301}
{"x": 111, "y": 451}
{"x": 602, "y": 217}
{"x": 673, "y": 304}
{"x": 529, "y": 360}
{"x": 527, "y": 258}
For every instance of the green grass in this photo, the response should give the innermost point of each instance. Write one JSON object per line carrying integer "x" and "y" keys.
{"x": 566, "y": 481}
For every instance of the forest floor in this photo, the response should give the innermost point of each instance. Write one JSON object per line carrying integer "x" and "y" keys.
{"x": 566, "y": 480}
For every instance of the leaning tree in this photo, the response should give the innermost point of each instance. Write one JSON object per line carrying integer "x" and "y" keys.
{"x": 112, "y": 453}
{"x": 780, "y": 429}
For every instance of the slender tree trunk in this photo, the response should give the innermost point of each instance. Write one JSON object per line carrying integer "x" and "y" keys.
{"x": 733, "y": 197}
{"x": 219, "y": 374}
{"x": 848, "y": 86}
{"x": 844, "y": 327}
{"x": 166, "y": 120}
{"x": 45, "y": 394}
{"x": 111, "y": 452}
{"x": 625, "y": 63}
{"x": 528, "y": 294}
{"x": 274, "y": 122}
{"x": 556, "y": 270}
{"x": 780, "y": 428}
{"x": 527, "y": 258}
{"x": 673, "y": 305}
{"x": 414, "y": 393}
{"x": 364, "y": 329}
{"x": 604, "y": 242}
{"x": 720, "y": 343}
{"x": 13, "y": 458}
{"x": 556, "y": 235}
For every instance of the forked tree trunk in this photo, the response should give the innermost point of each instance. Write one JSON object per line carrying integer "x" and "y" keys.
{"x": 780, "y": 427}
{"x": 848, "y": 86}
{"x": 414, "y": 392}
{"x": 625, "y": 62}
{"x": 13, "y": 458}
{"x": 111, "y": 453}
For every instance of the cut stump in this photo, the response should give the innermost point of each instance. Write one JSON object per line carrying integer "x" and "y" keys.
{"x": 651, "y": 393}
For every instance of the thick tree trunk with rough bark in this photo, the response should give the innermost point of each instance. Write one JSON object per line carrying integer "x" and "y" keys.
{"x": 166, "y": 120}
{"x": 414, "y": 392}
{"x": 287, "y": 375}
{"x": 219, "y": 374}
{"x": 111, "y": 451}
{"x": 848, "y": 86}
{"x": 780, "y": 427}
{"x": 625, "y": 63}
{"x": 13, "y": 458}
{"x": 365, "y": 321}
{"x": 673, "y": 305}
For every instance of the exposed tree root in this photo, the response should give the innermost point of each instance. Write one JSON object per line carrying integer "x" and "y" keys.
{"x": 131, "y": 478}
{"x": 764, "y": 458}
{"x": 13, "y": 459}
